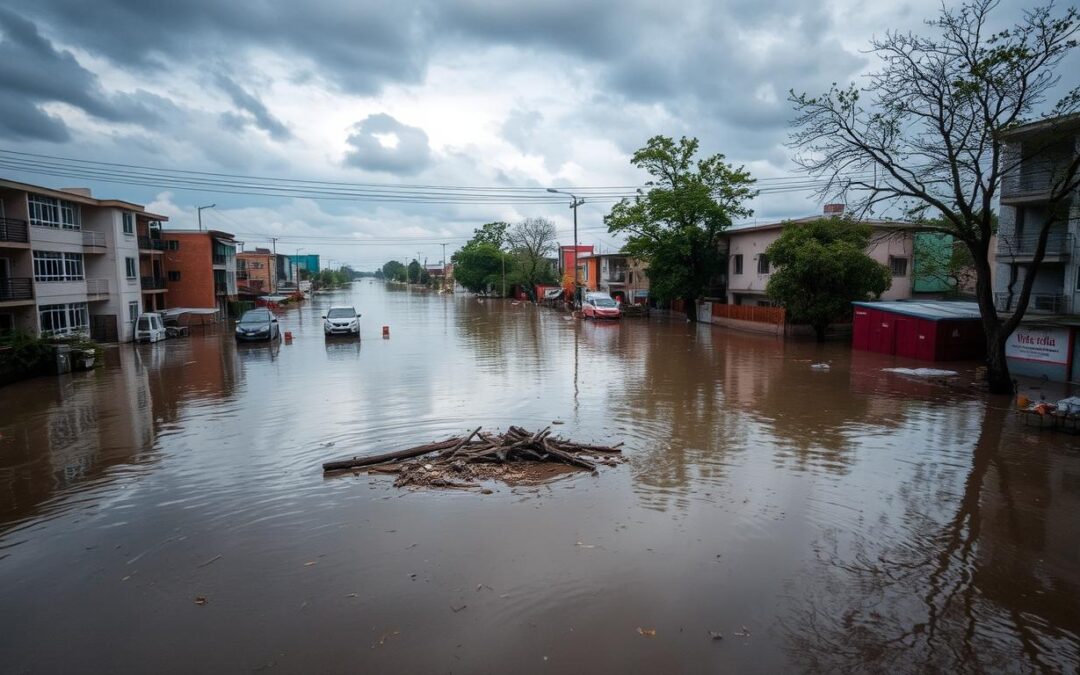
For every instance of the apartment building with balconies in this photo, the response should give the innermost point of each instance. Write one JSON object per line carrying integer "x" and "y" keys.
{"x": 152, "y": 272}
{"x": 1038, "y": 190}
{"x": 68, "y": 262}
{"x": 256, "y": 271}
{"x": 200, "y": 268}
{"x": 1036, "y": 158}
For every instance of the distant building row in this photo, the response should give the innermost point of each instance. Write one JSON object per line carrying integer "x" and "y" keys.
{"x": 73, "y": 264}
{"x": 893, "y": 244}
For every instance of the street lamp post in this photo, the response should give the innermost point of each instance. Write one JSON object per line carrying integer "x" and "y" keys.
{"x": 574, "y": 203}
{"x": 199, "y": 211}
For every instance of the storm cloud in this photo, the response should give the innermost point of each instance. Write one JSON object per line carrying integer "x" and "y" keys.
{"x": 458, "y": 92}
{"x": 251, "y": 104}
{"x": 381, "y": 143}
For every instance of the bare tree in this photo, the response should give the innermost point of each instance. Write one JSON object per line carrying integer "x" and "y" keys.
{"x": 926, "y": 135}
{"x": 532, "y": 243}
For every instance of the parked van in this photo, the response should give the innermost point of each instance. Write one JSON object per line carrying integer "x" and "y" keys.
{"x": 149, "y": 328}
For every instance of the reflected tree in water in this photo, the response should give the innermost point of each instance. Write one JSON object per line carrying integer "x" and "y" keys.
{"x": 965, "y": 580}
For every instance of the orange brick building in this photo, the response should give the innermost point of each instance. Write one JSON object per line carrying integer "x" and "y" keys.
{"x": 255, "y": 270}
{"x": 200, "y": 268}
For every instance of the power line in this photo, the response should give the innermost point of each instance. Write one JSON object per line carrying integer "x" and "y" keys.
{"x": 238, "y": 184}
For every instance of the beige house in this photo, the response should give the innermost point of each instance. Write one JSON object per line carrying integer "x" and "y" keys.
{"x": 892, "y": 245}
{"x": 621, "y": 276}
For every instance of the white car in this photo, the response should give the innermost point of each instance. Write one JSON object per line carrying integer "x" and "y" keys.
{"x": 149, "y": 328}
{"x": 341, "y": 321}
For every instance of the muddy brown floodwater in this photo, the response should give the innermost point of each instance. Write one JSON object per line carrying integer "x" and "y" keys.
{"x": 168, "y": 513}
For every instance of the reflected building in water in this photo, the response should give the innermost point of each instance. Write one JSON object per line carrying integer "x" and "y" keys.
{"x": 60, "y": 432}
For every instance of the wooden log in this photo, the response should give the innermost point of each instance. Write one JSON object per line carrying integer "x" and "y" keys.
{"x": 539, "y": 435}
{"x": 585, "y": 447}
{"x": 457, "y": 448}
{"x": 353, "y": 462}
{"x": 568, "y": 458}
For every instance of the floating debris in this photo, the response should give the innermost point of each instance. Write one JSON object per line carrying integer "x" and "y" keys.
{"x": 646, "y": 632}
{"x": 458, "y": 462}
{"x": 922, "y": 372}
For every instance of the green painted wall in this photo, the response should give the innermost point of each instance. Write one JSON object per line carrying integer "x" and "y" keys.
{"x": 932, "y": 254}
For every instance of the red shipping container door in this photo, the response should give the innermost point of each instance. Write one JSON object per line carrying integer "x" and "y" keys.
{"x": 860, "y": 329}
{"x": 961, "y": 341}
{"x": 883, "y": 333}
{"x": 907, "y": 336}
{"x": 929, "y": 340}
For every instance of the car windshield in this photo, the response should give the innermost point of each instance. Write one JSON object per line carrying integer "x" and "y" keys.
{"x": 341, "y": 313}
{"x": 144, "y": 323}
{"x": 604, "y": 302}
{"x": 255, "y": 316}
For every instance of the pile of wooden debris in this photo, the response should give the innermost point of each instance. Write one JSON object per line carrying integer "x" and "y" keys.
{"x": 458, "y": 462}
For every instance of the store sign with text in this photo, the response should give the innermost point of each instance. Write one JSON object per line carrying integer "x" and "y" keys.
{"x": 1045, "y": 345}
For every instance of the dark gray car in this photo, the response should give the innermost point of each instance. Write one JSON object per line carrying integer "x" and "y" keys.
{"x": 257, "y": 324}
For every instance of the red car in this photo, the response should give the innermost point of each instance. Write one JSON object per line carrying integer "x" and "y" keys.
{"x": 600, "y": 306}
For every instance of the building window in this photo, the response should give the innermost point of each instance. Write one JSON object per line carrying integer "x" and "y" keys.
{"x": 762, "y": 264}
{"x": 52, "y": 212}
{"x": 173, "y": 244}
{"x": 55, "y": 266}
{"x": 132, "y": 269}
{"x": 67, "y": 319}
{"x": 174, "y": 275}
{"x": 898, "y": 266}
{"x": 133, "y": 311}
{"x": 738, "y": 264}
{"x": 129, "y": 222}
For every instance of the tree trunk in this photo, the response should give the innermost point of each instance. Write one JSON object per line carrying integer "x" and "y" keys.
{"x": 998, "y": 378}
{"x": 690, "y": 305}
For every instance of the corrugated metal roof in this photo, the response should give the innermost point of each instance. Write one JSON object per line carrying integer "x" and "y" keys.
{"x": 932, "y": 310}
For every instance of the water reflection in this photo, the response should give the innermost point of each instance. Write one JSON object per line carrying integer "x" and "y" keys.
{"x": 976, "y": 571}
{"x": 853, "y": 519}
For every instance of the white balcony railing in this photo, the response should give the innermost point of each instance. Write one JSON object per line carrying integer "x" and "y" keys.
{"x": 97, "y": 286}
{"x": 93, "y": 239}
{"x": 1039, "y": 303}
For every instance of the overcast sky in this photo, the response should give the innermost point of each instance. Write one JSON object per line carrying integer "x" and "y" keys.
{"x": 459, "y": 92}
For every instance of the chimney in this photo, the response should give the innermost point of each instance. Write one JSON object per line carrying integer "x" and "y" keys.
{"x": 834, "y": 209}
{"x": 81, "y": 191}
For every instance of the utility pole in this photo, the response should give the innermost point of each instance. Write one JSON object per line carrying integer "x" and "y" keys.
{"x": 574, "y": 203}
{"x": 199, "y": 211}
{"x": 274, "y": 275}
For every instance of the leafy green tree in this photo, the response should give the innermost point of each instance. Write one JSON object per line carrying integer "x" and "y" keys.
{"x": 821, "y": 268}
{"x": 417, "y": 274}
{"x": 532, "y": 244}
{"x": 676, "y": 226}
{"x": 491, "y": 233}
{"x": 926, "y": 132}
{"x": 479, "y": 267}
{"x": 394, "y": 271}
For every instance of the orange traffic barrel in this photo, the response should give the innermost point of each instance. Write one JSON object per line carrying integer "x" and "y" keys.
{"x": 288, "y": 336}
{"x": 386, "y": 332}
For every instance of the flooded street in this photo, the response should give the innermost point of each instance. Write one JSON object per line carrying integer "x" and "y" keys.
{"x": 821, "y": 521}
